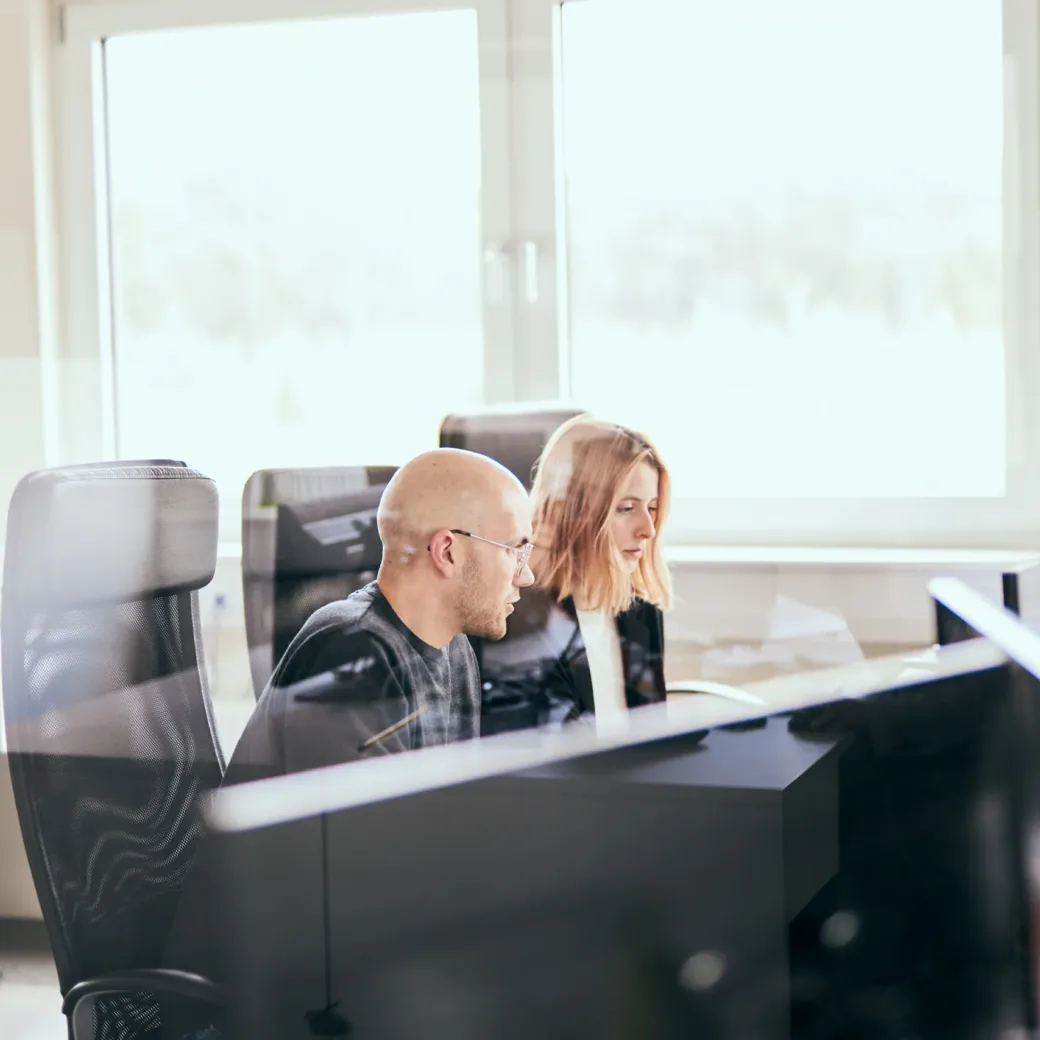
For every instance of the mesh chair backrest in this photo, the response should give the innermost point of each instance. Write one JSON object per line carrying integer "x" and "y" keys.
{"x": 512, "y": 435}
{"x": 308, "y": 538}
{"x": 107, "y": 714}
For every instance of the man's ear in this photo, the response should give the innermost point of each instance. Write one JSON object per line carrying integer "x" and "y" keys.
{"x": 442, "y": 551}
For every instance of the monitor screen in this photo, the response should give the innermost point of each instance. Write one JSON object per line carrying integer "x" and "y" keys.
{"x": 1019, "y": 593}
{"x": 1027, "y": 592}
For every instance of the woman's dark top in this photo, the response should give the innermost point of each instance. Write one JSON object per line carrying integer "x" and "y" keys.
{"x": 539, "y": 673}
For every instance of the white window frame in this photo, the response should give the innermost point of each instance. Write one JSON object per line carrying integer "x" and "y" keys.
{"x": 525, "y": 323}
{"x": 1012, "y": 522}
{"x": 83, "y": 182}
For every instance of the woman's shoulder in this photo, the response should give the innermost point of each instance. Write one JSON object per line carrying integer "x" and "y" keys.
{"x": 642, "y": 622}
{"x": 644, "y": 610}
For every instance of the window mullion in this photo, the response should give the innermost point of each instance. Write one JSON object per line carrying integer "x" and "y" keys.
{"x": 536, "y": 267}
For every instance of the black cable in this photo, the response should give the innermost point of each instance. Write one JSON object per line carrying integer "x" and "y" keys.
{"x": 327, "y": 1021}
{"x": 325, "y": 907}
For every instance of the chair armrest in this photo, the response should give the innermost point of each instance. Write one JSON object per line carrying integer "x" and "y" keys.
{"x": 733, "y": 693}
{"x": 148, "y": 980}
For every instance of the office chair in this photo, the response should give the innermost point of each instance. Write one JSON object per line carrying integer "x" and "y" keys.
{"x": 109, "y": 728}
{"x": 309, "y": 538}
{"x": 514, "y": 436}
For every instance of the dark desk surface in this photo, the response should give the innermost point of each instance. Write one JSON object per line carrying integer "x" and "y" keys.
{"x": 764, "y": 759}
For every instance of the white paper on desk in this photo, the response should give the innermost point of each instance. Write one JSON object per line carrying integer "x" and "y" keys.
{"x": 713, "y": 689}
{"x": 811, "y": 633}
{"x": 912, "y": 675}
{"x": 926, "y": 658}
{"x": 792, "y": 619}
{"x": 721, "y": 661}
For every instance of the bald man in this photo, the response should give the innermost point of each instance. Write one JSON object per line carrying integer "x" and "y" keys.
{"x": 389, "y": 668}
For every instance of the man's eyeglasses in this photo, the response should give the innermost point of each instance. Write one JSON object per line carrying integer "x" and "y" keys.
{"x": 521, "y": 552}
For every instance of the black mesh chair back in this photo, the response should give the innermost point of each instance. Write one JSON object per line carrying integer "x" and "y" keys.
{"x": 108, "y": 722}
{"x": 309, "y": 538}
{"x": 513, "y": 435}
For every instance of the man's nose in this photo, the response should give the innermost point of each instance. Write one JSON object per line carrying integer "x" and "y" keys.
{"x": 524, "y": 577}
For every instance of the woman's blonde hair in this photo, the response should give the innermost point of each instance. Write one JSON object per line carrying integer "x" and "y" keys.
{"x": 576, "y": 482}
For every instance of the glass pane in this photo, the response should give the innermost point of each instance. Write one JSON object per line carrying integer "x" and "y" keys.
{"x": 296, "y": 237}
{"x": 785, "y": 240}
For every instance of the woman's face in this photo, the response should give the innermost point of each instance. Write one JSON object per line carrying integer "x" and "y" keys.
{"x": 634, "y": 520}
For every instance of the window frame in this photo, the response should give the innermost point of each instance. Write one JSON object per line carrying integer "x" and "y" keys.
{"x": 526, "y": 351}
{"x": 1009, "y": 522}
{"x": 85, "y": 256}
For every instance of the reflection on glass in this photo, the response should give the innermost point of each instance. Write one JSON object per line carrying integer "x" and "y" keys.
{"x": 296, "y": 230}
{"x": 849, "y": 865}
{"x": 785, "y": 240}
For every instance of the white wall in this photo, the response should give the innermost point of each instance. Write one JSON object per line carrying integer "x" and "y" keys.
{"x": 24, "y": 317}
{"x": 17, "y": 895}
{"x": 25, "y": 237}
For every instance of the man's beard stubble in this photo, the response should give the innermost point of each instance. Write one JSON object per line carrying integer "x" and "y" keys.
{"x": 477, "y": 616}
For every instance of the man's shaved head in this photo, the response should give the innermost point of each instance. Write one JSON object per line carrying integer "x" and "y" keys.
{"x": 443, "y": 489}
{"x": 454, "y": 525}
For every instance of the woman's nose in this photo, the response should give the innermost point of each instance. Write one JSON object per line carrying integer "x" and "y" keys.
{"x": 645, "y": 527}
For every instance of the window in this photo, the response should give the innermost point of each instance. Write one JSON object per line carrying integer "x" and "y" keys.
{"x": 295, "y": 217}
{"x": 796, "y": 243}
{"x": 785, "y": 240}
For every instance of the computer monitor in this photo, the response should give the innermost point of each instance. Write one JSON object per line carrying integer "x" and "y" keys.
{"x": 1020, "y": 642}
{"x": 1019, "y": 593}
{"x": 1026, "y": 603}
{"x": 856, "y": 868}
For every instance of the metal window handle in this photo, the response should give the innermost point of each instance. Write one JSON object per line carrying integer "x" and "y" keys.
{"x": 531, "y": 272}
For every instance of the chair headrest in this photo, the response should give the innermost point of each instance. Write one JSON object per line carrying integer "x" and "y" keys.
{"x": 82, "y": 534}
{"x": 505, "y": 419}
{"x": 512, "y": 435}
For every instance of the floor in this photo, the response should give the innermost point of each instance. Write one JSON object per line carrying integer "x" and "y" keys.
{"x": 30, "y": 1004}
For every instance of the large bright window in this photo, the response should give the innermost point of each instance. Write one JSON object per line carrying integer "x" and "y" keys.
{"x": 785, "y": 237}
{"x": 795, "y": 242}
{"x": 296, "y": 240}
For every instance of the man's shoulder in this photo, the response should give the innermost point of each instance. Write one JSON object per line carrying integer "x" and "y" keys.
{"x": 461, "y": 649}
{"x": 339, "y": 636}
{"x": 351, "y": 612}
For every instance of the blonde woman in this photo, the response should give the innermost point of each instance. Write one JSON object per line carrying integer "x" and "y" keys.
{"x": 600, "y": 499}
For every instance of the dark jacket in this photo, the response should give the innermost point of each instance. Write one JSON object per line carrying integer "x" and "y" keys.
{"x": 539, "y": 674}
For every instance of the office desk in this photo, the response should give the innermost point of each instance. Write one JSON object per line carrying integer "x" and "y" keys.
{"x": 744, "y": 775}
{"x": 763, "y": 804}
{"x": 529, "y": 875}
